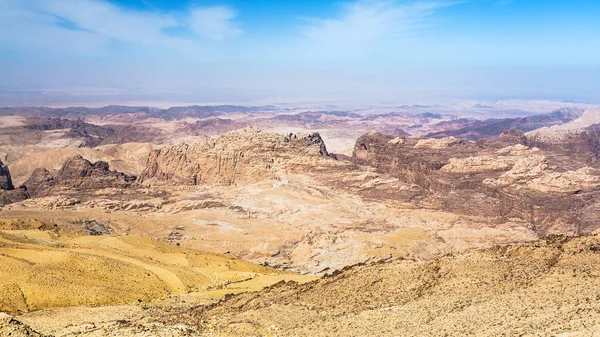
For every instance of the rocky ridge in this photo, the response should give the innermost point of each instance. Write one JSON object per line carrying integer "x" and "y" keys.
{"x": 557, "y": 132}
{"x": 500, "y": 179}
{"x": 492, "y": 128}
{"x": 77, "y": 173}
{"x": 238, "y": 157}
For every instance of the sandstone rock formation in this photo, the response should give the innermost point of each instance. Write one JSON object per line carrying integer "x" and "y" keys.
{"x": 501, "y": 179}
{"x": 391, "y": 153}
{"x": 8, "y": 193}
{"x": 238, "y": 157}
{"x": 569, "y": 181}
{"x": 519, "y": 157}
{"x": 513, "y": 136}
{"x": 52, "y": 202}
{"x": 436, "y": 143}
{"x": 5, "y": 179}
{"x": 77, "y": 173}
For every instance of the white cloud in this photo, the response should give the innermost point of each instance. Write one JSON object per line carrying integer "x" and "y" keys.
{"x": 215, "y": 23}
{"x": 364, "y": 22}
{"x": 90, "y": 25}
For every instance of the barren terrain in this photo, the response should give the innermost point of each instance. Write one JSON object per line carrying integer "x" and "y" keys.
{"x": 156, "y": 214}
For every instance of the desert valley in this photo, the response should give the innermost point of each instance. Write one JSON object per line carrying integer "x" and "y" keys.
{"x": 234, "y": 220}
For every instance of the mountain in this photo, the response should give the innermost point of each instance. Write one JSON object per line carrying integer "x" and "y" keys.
{"x": 77, "y": 173}
{"x": 558, "y": 132}
{"x": 546, "y": 189}
{"x": 492, "y": 128}
{"x": 238, "y": 157}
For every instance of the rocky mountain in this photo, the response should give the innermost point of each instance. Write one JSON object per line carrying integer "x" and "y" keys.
{"x": 559, "y": 133}
{"x": 492, "y": 128}
{"x": 94, "y": 135}
{"x": 584, "y": 142}
{"x": 238, "y": 157}
{"x": 210, "y": 126}
{"x": 76, "y": 173}
{"x": 401, "y": 234}
{"x": 549, "y": 191}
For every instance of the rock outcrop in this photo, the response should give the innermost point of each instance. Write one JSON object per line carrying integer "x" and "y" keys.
{"x": 238, "y": 157}
{"x": 398, "y": 154}
{"x": 502, "y": 180}
{"x": 77, "y": 173}
{"x": 5, "y": 180}
{"x": 8, "y": 193}
{"x": 11, "y": 327}
{"x": 436, "y": 143}
{"x": 502, "y": 160}
{"x": 513, "y": 136}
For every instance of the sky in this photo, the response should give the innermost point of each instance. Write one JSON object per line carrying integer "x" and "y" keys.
{"x": 269, "y": 51}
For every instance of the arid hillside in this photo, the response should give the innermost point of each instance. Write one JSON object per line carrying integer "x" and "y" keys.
{"x": 41, "y": 267}
{"x": 545, "y": 288}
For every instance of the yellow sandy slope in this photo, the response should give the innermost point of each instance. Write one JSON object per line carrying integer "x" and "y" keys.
{"x": 40, "y": 269}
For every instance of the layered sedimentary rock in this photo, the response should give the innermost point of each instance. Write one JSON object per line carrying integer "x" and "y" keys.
{"x": 238, "y": 157}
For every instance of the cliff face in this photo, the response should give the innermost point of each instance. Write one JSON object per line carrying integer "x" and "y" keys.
{"x": 8, "y": 193}
{"x": 5, "y": 180}
{"x": 238, "y": 157}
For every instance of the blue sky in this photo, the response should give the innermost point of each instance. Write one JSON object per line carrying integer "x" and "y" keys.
{"x": 261, "y": 50}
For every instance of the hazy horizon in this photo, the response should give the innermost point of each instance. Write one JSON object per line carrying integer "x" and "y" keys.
{"x": 59, "y": 52}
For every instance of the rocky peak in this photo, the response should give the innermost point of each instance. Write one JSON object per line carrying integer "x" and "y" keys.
{"x": 513, "y": 136}
{"x": 5, "y": 179}
{"x": 79, "y": 167}
{"x": 40, "y": 179}
{"x": 79, "y": 173}
{"x": 242, "y": 156}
